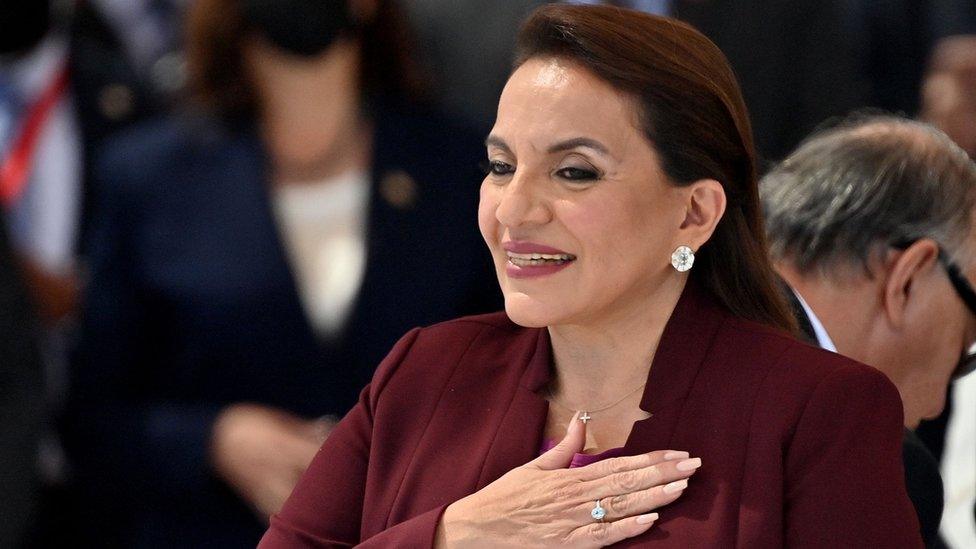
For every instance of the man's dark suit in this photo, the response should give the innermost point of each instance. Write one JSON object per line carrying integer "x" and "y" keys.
{"x": 922, "y": 477}
{"x": 192, "y": 306}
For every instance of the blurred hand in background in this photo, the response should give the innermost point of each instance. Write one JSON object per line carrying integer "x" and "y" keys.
{"x": 262, "y": 451}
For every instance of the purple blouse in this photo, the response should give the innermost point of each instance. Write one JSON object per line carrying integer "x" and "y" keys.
{"x": 579, "y": 460}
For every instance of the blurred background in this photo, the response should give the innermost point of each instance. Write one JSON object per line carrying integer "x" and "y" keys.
{"x": 216, "y": 216}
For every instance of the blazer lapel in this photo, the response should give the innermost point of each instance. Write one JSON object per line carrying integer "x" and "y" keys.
{"x": 254, "y": 177}
{"x": 685, "y": 343}
{"x": 519, "y": 436}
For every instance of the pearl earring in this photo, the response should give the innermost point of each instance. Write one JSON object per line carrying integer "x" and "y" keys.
{"x": 682, "y": 259}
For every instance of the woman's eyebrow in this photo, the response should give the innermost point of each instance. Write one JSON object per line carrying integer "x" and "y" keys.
{"x": 495, "y": 141}
{"x": 579, "y": 142}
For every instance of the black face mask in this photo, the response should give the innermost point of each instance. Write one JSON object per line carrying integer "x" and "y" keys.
{"x": 300, "y": 27}
{"x": 25, "y": 23}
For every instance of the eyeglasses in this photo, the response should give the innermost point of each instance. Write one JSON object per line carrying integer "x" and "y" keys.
{"x": 965, "y": 291}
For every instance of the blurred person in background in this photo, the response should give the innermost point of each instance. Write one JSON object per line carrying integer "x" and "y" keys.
{"x": 795, "y": 60}
{"x": 253, "y": 258}
{"x": 60, "y": 95}
{"x": 127, "y": 65}
{"x": 48, "y": 73}
{"x": 949, "y": 94}
{"x": 871, "y": 224}
{"x": 40, "y": 181}
{"x": 41, "y": 190}
{"x": 949, "y": 102}
{"x": 893, "y": 40}
{"x": 128, "y": 59}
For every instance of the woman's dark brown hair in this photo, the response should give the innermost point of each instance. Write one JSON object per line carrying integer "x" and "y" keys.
{"x": 692, "y": 111}
{"x": 217, "y": 31}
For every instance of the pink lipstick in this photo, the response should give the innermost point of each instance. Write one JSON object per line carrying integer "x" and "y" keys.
{"x": 528, "y": 259}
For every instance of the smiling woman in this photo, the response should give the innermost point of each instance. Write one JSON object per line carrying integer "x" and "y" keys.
{"x": 621, "y": 397}
{"x": 587, "y": 187}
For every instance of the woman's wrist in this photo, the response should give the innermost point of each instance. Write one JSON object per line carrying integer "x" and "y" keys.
{"x": 453, "y": 531}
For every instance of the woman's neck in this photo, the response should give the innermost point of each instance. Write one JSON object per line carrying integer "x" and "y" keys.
{"x": 310, "y": 112}
{"x": 600, "y": 360}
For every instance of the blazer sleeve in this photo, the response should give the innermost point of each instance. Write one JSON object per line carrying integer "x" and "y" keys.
{"x": 845, "y": 485}
{"x": 125, "y": 442}
{"x": 325, "y": 509}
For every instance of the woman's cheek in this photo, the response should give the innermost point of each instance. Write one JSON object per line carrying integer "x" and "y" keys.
{"x": 487, "y": 222}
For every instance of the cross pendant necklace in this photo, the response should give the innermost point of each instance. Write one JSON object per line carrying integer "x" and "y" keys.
{"x": 585, "y": 415}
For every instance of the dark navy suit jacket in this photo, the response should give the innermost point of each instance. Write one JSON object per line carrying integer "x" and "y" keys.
{"x": 800, "y": 447}
{"x": 192, "y": 306}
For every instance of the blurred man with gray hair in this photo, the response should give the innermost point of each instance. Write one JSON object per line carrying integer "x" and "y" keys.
{"x": 871, "y": 225}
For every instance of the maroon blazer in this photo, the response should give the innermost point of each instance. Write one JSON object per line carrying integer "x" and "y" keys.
{"x": 801, "y": 447}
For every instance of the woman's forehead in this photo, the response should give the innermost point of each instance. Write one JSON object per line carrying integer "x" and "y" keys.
{"x": 556, "y": 99}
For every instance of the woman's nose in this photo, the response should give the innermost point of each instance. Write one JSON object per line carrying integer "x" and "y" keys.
{"x": 522, "y": 203}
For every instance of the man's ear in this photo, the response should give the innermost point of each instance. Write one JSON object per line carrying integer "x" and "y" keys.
{"x": 902, "y": 271}
{"x": 705, "y": 206}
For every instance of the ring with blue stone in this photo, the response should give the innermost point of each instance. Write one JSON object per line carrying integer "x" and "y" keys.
{"x": 598, "y": 512}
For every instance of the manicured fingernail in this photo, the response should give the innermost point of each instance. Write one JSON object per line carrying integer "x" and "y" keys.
{"x": 676, "y": 486}
{"x": 689, "y": 464}
{"x": 674, "y": 454}
{"x": 647, "y": 519}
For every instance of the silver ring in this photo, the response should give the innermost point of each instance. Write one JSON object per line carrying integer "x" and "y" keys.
{"x": 598, "y": 512}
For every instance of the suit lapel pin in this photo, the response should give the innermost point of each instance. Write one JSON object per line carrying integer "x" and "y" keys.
{"x": 399, "y": 190}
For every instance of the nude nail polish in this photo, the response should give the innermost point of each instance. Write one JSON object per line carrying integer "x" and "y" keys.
{"x": 689, "y": 464}
{"x": 676, "y": 486}
{"x": 646, "y": 519}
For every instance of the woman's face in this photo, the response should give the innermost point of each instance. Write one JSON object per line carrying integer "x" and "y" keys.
{"x": 579, "y": 217}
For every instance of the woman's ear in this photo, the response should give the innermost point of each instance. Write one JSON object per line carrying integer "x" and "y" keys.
{"x": 902, "y": 272}
{"x": 705, "y": 206}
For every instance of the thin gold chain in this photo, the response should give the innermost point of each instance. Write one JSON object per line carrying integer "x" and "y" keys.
{"x": 552, "y": 398}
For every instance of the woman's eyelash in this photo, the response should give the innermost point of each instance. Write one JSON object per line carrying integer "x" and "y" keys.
{"x": 495, "y": 167}
{"x": 577, "y": 174}
{"x": 499, "y": 168}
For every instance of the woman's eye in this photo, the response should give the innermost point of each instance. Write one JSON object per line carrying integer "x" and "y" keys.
{"x": 577, "y": 174}
{"x": 497, "y": 167}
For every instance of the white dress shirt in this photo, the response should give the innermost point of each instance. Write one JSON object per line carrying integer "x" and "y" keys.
{"x": 823, "y": 339}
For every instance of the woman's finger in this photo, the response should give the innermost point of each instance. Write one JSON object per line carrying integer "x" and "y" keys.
{"x": 601, "y": 534}
{"x": 611, "y": 466}
{"x": 635, "y": 503}
{"x": 561, "y": 455}
{"x": 635, "y": 480}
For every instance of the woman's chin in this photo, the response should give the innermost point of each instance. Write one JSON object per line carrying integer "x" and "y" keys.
{"x": 527, "y": 312}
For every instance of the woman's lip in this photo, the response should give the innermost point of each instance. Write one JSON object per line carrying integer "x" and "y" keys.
{"x": 525, "y": 247}
{"x": 530, "y": 271}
